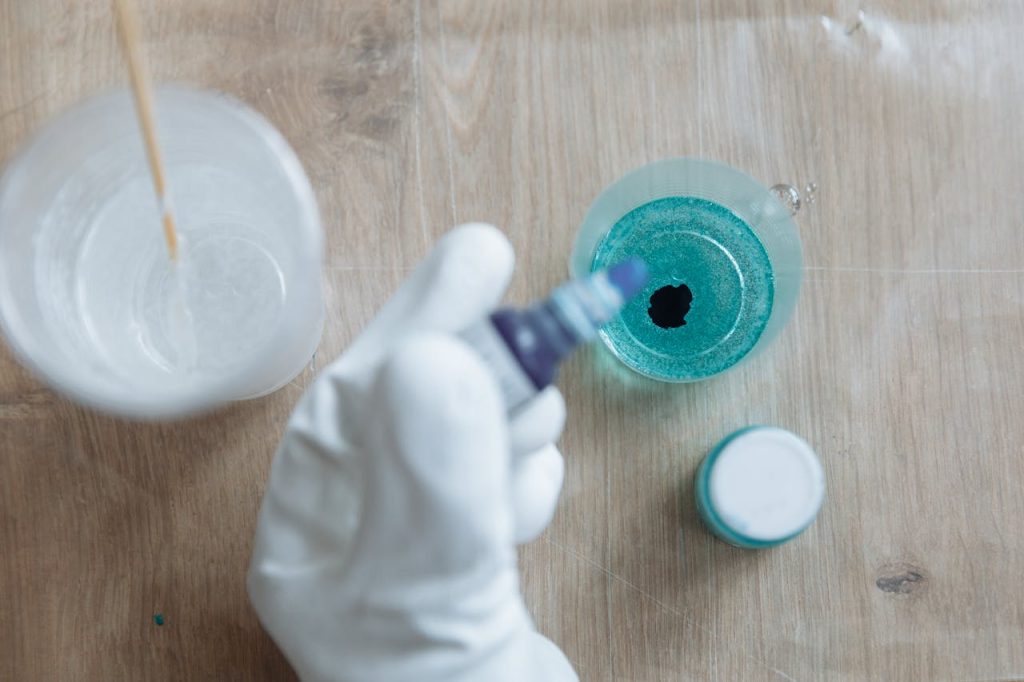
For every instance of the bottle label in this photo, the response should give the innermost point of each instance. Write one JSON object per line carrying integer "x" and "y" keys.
{"x": 516, "y": 387}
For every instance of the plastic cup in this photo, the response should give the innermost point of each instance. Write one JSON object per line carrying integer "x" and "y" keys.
{"x": 89, "y": 299}
{"x": 725, "y": 261}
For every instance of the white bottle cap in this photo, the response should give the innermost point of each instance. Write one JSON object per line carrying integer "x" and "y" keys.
{"x": 766, "y": 484}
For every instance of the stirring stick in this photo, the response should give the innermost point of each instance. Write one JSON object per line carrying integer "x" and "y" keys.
{"x": 142, "y": 89}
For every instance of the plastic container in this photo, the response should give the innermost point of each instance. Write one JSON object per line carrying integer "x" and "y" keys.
{"x": 760, "y": 487}
{"x": 88, "y": 293}
{"x": 725, "y": 260}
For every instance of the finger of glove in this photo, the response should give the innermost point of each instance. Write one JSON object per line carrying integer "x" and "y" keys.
{"x": 437, "y": 478}
{"x": 463, "y": 279}
{"x": 538, "y": 423}
{"x": 551, "y": 662}
{"x": 536, "y": 485}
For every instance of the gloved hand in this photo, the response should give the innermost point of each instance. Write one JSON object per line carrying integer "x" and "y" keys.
{"x": 386, "y": 540}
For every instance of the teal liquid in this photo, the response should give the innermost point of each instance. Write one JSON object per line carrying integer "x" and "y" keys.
{"x": 706, "y": 248}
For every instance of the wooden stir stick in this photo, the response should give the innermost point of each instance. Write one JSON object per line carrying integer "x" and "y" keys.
{"x": 142, "y": 89}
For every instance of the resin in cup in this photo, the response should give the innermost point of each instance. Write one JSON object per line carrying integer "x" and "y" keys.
{"x": 146, "y": 318}
{"x": 710, "y": 293}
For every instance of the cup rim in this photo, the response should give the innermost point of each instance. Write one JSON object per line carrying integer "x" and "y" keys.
{"x": 670, "y": 163}
{"x": 585, "y": 243}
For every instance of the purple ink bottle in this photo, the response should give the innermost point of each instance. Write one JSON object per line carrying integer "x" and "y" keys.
{"x": 524, "y": 347}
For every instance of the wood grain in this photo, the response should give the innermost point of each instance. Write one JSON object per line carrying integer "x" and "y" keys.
{"x": 902, "y": 365}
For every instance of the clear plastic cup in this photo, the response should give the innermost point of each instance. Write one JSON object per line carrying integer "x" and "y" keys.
{"x": 89, "y": 299}
{"x": 725, "y": 260}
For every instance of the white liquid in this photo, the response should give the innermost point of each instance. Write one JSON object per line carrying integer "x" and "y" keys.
{"x": 117, "y": 299}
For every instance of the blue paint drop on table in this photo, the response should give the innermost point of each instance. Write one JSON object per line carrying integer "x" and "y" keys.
{"x": 158, "y": 619}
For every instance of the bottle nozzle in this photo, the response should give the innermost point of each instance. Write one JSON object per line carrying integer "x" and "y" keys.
{"x": 529, "y": 344}
{"x": 587, "y": 304}
{"x": 629, "y": 277}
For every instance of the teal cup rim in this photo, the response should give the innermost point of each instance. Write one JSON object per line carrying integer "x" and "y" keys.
{"x": 737, "y": 191}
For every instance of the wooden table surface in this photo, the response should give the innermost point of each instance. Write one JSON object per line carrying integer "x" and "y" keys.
{"x": 902, "y": 365}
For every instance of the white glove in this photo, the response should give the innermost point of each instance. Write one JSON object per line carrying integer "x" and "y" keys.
{"x": 386, "y": 542}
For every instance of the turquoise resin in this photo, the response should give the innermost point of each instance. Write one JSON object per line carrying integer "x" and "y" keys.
{"x": 711, "y": 250}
